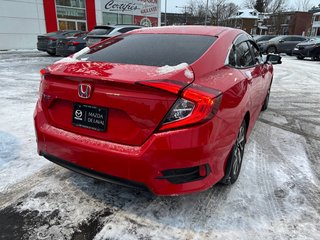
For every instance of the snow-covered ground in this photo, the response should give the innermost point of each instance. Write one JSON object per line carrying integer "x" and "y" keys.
{"x": 277, "y": 195}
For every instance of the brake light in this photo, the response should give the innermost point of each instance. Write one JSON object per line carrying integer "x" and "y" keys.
{"x": 73, "y": 43}
{"x": 197, "y": 105}
{"x": 43, "y": 72}
{"x": 166, "y": 85}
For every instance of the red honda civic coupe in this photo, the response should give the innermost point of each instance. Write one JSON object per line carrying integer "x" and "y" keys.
{"x": 168, "y": 109}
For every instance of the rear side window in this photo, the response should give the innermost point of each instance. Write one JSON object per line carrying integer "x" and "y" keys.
{"x": 101, "y": 31}
{"x": 124, "y": 30}
{"x": 298, "y": 39}
{"x": 152, "y": 49}
{"x": 244, "y": 56}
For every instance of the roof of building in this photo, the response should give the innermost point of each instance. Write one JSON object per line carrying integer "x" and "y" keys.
{"x": 246, "y": 13}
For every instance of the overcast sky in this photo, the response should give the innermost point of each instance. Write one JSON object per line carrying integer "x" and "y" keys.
{"x": 171, "y": 4}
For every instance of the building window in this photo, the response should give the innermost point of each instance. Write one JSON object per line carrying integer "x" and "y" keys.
{"x": 116, "y": 18}
{"x": 125, "y": 19}
{"x": 71, "y": 3}
{"x": 71, "y": 14}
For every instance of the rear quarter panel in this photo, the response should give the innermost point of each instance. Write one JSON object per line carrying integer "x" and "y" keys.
{"x": 211, "y": 72}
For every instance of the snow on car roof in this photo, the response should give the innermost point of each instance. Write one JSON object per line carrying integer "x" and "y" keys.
{"x": 192, "y": 30}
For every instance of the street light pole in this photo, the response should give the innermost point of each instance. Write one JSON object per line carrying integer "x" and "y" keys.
{"x": 165, "y": 12}
{"x": 185, "y": 13}
{"x": 206, "y": 16}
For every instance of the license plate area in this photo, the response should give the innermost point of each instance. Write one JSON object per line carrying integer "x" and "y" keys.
{"x": 91, "y": 117}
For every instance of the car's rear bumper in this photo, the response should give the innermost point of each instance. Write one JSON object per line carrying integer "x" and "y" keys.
{"x": 142, "y": 165}
{"x": 65, "y": 51}
{"x": 302, "y": 53}
{"x": 306, "y": 52}
{"x": 42, "y": 47}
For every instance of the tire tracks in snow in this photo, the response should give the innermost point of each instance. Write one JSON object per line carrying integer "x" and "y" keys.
{"x": 310, "y": 190}
{"x": 13, "y": 192}
{"x": 265, "y": 181}
{"x": 289, "y": 129}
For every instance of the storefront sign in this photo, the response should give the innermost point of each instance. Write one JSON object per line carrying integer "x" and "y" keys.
{"x": 133, "y": 7}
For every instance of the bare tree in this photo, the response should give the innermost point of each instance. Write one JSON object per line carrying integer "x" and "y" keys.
{"x": 270, "y": 6}
{"x": 302, "y": 5}
{"x": 273, "y": 6}
{"x": 249, "y": 4}
{"x": 218, "y": 10}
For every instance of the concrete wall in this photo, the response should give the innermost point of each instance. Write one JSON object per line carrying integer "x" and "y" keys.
{"x": 20, "y": 23}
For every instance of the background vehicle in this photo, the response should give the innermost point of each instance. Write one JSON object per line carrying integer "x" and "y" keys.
{"x": 100, "y": 33}
{"x": 146, "y": 109}
{"x": 309, "y": 48}
{"x": 281, "y": 44}
{"x": 69, "y": 45}
{"x": 47, "y": 42}
{"x": 260, "y": 38}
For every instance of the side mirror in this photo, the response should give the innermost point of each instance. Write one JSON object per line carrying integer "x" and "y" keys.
{"x": 281, "y": 41}
{"x": 273, "y": 58}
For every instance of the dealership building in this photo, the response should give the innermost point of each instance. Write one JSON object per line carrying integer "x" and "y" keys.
{"x": 22, "y": 20}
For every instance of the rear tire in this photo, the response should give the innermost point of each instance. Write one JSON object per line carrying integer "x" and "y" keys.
{"x": 272, "y": 49}
{"x": 51, "y": 53}
{"x": 266, "y": 101}
{"x": 235, "y": 158}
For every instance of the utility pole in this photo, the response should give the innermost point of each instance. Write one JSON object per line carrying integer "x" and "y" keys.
{"x": 206, "y": 16}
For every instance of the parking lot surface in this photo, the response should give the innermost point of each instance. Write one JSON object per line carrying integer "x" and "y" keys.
{"x": 277, "y": 195}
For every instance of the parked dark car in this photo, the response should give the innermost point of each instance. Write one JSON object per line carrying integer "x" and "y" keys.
{"x": 47, "y": 42}
{"x": 69, "y": 45}
{"x": 100, "y": 33}
{"x": 281, "y": 44}
{"x": 260, "y": 38}
{"x": 309, "y": 48}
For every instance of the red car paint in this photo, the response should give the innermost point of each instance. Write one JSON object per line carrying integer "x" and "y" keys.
{"x": 135, "y": 146}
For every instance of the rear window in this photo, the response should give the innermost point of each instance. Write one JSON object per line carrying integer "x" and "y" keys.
{"x": 151, "y": 49}
{"x": 101, "y": 31}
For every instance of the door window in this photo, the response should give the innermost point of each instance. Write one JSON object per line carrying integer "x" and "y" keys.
{"x": 256, "y": 53}
{"x": 244, "y": 57}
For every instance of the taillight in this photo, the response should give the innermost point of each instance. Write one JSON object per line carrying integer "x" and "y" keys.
{"x": 73, "y": 43}
{"x": 196, "y": 105}
{"x": 43, "y": 73}
{"x": 166, "y": 85}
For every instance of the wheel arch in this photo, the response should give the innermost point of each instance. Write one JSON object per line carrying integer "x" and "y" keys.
{"x": 247, "y": 120}
{"x": 227, "y": 168}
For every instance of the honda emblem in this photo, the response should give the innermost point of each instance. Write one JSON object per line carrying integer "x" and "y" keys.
{"x": 84, "y": 90}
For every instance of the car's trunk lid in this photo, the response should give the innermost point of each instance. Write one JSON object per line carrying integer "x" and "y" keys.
{"x": 133, "y": 110}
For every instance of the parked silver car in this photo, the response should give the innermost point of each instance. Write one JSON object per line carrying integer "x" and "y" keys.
{"x": 103, "y": 32}
{"x": 281, "y": 44}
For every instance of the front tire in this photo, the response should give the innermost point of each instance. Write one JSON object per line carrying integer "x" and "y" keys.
{"x": 236, "y": 156}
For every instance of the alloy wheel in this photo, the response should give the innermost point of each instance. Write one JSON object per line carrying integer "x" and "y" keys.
{"x": 238, "y": 153}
